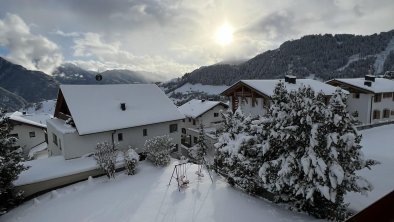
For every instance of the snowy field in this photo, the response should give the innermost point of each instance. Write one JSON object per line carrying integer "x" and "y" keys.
{"x": 378, "y": 145}
{"x": 208, "y": 89}
{"x": 146, "y": 197}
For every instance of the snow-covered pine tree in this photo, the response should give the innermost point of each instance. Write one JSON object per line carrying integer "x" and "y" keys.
{"x": 158, "y": 150}
{"x": 201, "y": 151}
{"x": 233, "y": 127}
{"x": 11, "y": 166}
{"x": 238, "y": 155}
{"x": 278, "y": 149}
{"x": 312, "y": 153}
{"x": 341, "y": 151}
{"x": 105, "y": 156}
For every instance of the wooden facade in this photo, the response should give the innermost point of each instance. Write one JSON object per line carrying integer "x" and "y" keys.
{"x": 243, "y": 91}
{"x": 61, "y": 110}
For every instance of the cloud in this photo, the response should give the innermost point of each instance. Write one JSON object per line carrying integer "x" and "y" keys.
{"x": 27, "y": 49}
{"x": 94, "y": 53}
{"x": 66, "y": 34}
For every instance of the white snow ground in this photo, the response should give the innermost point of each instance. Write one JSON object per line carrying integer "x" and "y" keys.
{"x": 208, "y": 89}
{"x": 378, "y": 145}
{"x": 146, "y": 197}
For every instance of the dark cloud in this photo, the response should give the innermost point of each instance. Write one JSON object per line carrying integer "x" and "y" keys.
{"x": 179, "y": 32}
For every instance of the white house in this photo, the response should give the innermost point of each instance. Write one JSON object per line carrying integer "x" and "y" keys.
{"x": 30, "y": 129}
{"x": 126, "y": 115}
{"x": 371, "y": 99}
{"x": 198, "y": 112}
{"x": 253, "y": 96}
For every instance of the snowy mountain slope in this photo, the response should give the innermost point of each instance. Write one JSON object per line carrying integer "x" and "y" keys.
{"x": 208, "y": 89}
{"x": 188, "y": 91}
{"x": 382, "y": 56}
{"x": 327, "y": 56}
{"x": 46, "y": 106}
{"x": 146, "y": 196}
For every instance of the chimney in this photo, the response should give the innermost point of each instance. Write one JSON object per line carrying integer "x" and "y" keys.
{"x": 368, "y": 83}
{"x": 24, "y": 112}
{"x": 370, "y": 78}
{"x": 290, "y": 79}
{"x": 123, "y": 106}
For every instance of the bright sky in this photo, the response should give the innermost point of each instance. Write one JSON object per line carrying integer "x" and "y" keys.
{"x": 171, "y": 37}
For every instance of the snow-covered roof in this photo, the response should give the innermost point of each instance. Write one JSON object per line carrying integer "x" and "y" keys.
{"x": 379, "y": 86}
{"x": 35, "y": 119}
{"x": 195, "y": 107}
{"x": 61, "y": 126}
{"x": 267, "y": 86}
{"x": 38, "y": 148}
{"x": 97, "y": 108}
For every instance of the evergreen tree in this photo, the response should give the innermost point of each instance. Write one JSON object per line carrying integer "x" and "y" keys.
{"x": 312, "y": 152}
{"x": 201, "y": 149}
{"x": 238, "y": 154}
{"x": 11, "y": 166}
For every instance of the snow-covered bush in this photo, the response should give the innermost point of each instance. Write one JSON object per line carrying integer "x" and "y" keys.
{"x": 11, "y": 166}
{"x": 131, "y": 159}
{"x": 312, "y": 152}
{"x": 158, "y": 150}
{"x": 105, "y": 156}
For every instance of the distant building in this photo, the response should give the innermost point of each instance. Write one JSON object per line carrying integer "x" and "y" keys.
{"x": 126, "y": 115}
{"x": 254, "y": 96}
{"x": 371, "y": 99}
{"x": 30, "y": 129}
{"x": 198, "y": 112}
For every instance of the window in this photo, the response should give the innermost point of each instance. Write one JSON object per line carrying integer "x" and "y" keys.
{"x": 356, "y": 95}
{"x": 266, "y": 103}
{"x": 392, "y": 112}
{"x": 54, "y": 139}
{"x": 215, "y": 114}
{"x": 387, "y": 95}
{"x": 190, "y": 120}
{"x": 377, "y": 97}
{"x": 120, "y": 136}
{"x": 376, "y": 114}
{"x": 60, "y": 144}
{"x": 173, "y": 128}
{"x": 176, "y": 148}
{"x": 183, "y": 120}
{"x": 386, "y": 113}
{"x": 144, "y": 132}
{"x": 14, "y": 135}
{"x": 32, "y": 134}
{"x": 194, "y": 122}
{"x": 183, "y": 130}
{"x": 254, "y": 101}
{"x": 194, "y": 140}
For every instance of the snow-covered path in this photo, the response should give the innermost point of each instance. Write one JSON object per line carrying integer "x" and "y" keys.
{"x": 146, "y": 197}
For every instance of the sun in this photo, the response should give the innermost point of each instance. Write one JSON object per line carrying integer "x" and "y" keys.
{"x": 224, "y": 34}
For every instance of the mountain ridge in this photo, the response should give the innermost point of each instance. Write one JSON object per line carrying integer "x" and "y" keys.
{"x": 325, "y": 56}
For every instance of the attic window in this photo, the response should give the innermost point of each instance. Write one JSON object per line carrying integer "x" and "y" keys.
{"x": 123, "y": 106}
